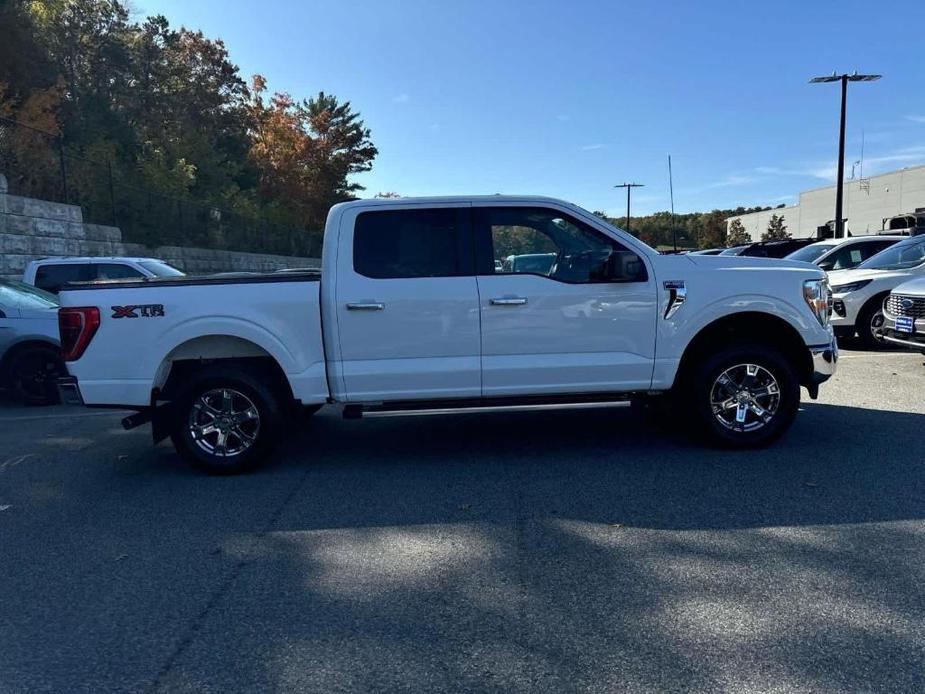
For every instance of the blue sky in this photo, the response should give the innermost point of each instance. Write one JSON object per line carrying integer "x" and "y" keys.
{"x": 569, "y": 98}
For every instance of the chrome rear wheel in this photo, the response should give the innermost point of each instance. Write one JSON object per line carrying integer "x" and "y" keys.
{"x": 224, "y": 422}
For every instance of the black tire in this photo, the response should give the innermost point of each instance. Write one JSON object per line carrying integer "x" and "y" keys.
{"x": 249, "y": 390}
{"x": 703, "y": 386}
{"x": 33, "y": 373}
{"x": 871, "y": 312}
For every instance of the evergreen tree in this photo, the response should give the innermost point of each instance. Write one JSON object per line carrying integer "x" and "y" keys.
{"x": 777, "y": 230}
{"x": 736, "y": 235}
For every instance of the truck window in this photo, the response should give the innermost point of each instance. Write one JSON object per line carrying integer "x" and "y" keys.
{"x": 408, "y": 243}
{"x": 51, "y": 277}
{"x": 116, "y": 271}
{"x": 538, "y": 241}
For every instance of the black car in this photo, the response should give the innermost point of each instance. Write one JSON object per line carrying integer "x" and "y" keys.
{"x": 775, "y": 249}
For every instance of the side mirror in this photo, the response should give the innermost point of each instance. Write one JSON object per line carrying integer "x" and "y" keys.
{"x": 626, "y": 266}
{"x": 827, "y": 265}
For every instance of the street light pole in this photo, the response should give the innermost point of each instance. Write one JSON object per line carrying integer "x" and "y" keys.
{"x": 629, "y": 187}
{"x": 840, "y": 231}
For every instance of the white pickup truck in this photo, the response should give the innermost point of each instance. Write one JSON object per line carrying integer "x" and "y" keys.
{"x": 413, "y": 311}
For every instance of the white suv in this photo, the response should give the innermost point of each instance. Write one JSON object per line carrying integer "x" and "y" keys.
{"x": 843, "y": 254}
{"x": 858, "y": 294}
{"x": 51, "y": 274}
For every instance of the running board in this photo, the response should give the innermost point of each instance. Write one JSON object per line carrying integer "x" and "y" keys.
{"x": 530, "y": 404}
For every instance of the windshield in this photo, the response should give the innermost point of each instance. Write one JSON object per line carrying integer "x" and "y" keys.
{"x": 21, "y": 295}
{"x": 809, "y": 253}
{"x": 905, "y": 254}
{"x": 159, "y": 268}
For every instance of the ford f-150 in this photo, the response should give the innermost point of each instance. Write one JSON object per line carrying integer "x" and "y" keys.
{"x": 412, "y": 310}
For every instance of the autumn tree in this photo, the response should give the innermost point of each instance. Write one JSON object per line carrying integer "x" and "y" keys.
{"x": 305, "y": 151}
{"x": 736, "y": 234}
{"x": 31, "y": 158}
{"x": 777, "y": 230}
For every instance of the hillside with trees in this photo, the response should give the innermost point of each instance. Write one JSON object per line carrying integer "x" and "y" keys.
{"x": 172, "y": 116}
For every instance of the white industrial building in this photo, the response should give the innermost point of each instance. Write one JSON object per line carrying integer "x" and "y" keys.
{"x": 869, "y": 204}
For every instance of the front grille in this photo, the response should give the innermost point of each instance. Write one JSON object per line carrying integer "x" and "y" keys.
{"x": 894, "y": 306}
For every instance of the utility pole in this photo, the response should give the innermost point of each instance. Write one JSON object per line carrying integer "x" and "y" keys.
{"x": 840, "y": 231}
{"x": 629, "y": 187}
{"x": 674, "y": 229}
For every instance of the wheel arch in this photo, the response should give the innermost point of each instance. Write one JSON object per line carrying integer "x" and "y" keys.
{"x": 184, "y": 360}
{"x": 755, "y": 326}
{"x": 876, "y": 299}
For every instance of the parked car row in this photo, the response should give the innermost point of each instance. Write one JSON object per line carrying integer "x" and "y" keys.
{"x": 866, "y": 275}
{"x": 858, "y": 294}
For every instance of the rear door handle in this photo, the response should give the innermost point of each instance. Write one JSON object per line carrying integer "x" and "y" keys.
{"x": 365, "y": 306}
{"x": 508, "y": 301}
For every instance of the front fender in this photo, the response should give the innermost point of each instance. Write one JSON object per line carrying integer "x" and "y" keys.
{"x": 676, "y": 333}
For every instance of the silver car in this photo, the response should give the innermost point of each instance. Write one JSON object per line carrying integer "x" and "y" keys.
{"x": 30, "y": 351}
{"x": 904, "y": 315}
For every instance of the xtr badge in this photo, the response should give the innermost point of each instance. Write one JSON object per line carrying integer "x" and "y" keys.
{"x": 141, "y": 311}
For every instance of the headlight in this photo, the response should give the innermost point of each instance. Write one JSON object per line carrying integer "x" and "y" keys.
{"x": 850, "y": 287}
{"x": 817, "y": 296}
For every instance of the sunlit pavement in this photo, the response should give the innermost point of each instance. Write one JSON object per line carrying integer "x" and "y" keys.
{"x": 590, "y": 550}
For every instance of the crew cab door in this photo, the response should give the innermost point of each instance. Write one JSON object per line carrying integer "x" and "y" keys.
{"x": 407, "y": 305}
{"x": 568, "y": 309}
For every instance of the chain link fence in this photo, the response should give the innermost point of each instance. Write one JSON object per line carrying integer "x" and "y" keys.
{"x": 41, "y": 165}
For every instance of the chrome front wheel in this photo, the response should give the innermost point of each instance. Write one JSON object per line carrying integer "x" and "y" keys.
{"x": 224, "y": 422}
{"x": 745, "y": 397}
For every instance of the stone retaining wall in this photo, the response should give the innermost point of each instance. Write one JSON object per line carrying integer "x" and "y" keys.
{"x": 31, "y": 229}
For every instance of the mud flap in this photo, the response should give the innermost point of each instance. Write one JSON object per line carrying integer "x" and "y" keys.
{"x": 161, "y": 420}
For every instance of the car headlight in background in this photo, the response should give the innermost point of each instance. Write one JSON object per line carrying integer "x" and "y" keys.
{"x": 850, "y": 287}
{"x": 817, "y": 296}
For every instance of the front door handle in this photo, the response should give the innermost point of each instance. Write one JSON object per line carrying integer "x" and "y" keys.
{"x": 366, "y": 306}
{"x": 508, "y": 301}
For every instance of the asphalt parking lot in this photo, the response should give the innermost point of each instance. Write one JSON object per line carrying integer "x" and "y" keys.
{"x": 588, "y": 550}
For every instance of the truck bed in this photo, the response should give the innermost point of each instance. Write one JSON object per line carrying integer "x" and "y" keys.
{"x": 148, "y": 324}
{"x": 200, "y": 280}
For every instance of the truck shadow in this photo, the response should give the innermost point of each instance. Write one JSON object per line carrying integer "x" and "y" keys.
{"x": 540, "y": 551}
{"x": 586, "y": 549}
{"x": 836, "y": 465}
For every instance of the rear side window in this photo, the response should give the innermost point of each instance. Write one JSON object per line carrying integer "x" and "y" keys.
{"x": 116, "y": 271}
{"x": 396, "y": 244}
{"x": 52, "y": 278}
